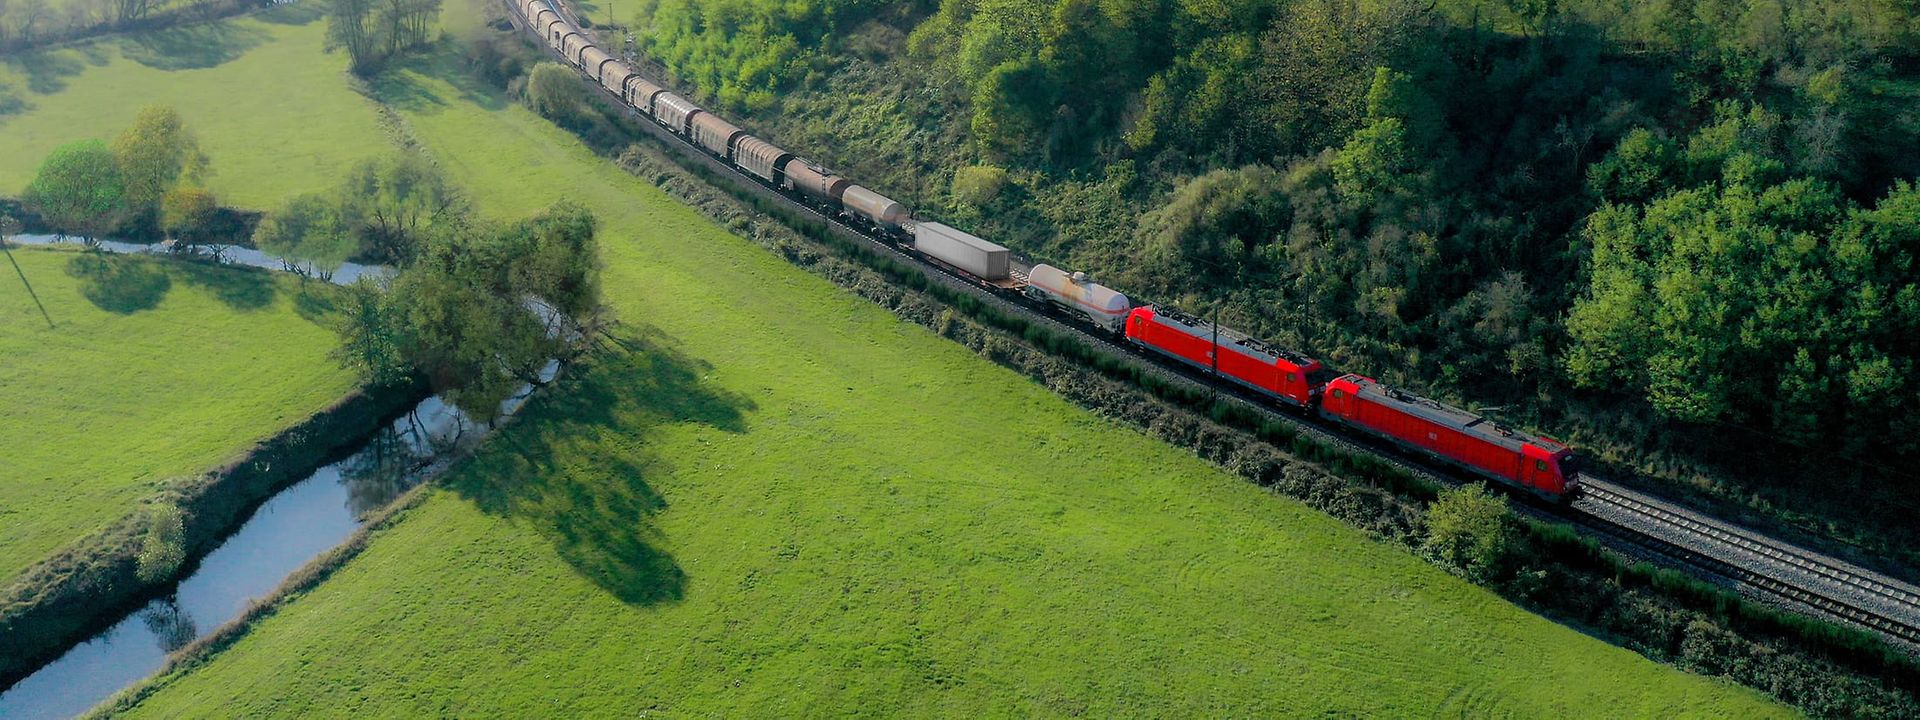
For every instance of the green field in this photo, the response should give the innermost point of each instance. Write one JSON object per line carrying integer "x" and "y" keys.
{"x": 155, "y": 369}
{"x": 784, "y": 501}
{"x": 275, "y": 115}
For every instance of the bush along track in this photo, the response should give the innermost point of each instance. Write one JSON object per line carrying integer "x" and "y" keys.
{"x": 1666, "y": 615}
{"x": 100, "y": 577}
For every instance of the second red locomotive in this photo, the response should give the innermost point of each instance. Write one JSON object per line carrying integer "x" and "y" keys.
{"x": 1457, "y": 437}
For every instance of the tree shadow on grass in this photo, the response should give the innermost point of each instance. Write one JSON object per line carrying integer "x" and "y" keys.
{"x": 315, "y": 304}
{"x": 403, "y": 91}
{"x": 47, "y": 71}
{"x": 240, "y": 288}
{"x": 293, "y": 13}
{"x": 193, "y": 46}
{"x": 400, "y": 87}
{"x": 575, "y": 466}
{"x": 119, "y": 284}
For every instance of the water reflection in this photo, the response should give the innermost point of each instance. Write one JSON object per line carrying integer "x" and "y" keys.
{"x": 289, "y": 529}
{"x": 172, "y": 628}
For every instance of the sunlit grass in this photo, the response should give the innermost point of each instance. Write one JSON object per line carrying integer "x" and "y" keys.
{"x": 275, "y": 116}
{"x": 153, "y": 369}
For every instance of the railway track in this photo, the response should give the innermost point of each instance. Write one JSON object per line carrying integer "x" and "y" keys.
{"x": 1824, "y": 586}
{"x": 1849, "y": 593}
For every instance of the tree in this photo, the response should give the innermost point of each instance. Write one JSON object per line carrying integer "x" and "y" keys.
{"x": 483, "y": 310}
{"x": 186, "y": 211}
{"x": 306, "y": 229}
{"x": 350, "y": 27}
{"x": 79, "y": 190}
{"x": 156, "y": 153}
{"x": 390, "y": 205}
{"x": 163, "y": 545}
{"x": 1469, "y": 531}
{"x": 554, "y": 91}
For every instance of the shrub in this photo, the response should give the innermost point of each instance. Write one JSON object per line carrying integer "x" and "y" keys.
{"x": 164, "y": 546}
{"x": 977, "y": 185}
{"x": 1470, "y": 531}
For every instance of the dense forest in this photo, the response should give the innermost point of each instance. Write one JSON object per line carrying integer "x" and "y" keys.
{"x": 1674, "y": 230}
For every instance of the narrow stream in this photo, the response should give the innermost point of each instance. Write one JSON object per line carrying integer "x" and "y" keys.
{"x": 291, "y": 528}
{"x": 346, "y": 275}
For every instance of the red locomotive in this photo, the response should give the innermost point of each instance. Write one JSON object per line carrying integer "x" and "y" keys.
{"x": 1482, "y": 446}
{"x": 1450, "y": 434}
{"x": 1289, "y": 376}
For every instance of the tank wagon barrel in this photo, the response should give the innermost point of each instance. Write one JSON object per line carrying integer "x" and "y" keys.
{"x": 875, "y": 208}
{"x": 1104, "y": 306}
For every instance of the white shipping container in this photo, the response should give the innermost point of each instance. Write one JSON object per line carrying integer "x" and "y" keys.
{"x": 983, "y": 259}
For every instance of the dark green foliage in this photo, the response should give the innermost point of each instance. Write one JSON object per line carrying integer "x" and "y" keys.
{"x": 482, "y": 310}
{"x": 389, "y": 206}
{"x": 308, "y": 234}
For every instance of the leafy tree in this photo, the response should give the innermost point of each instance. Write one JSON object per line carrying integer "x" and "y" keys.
{"x": 390, "y": 205}
{"x": 483, "y": 310}
{"x": 307, "y": 229}
{"x": 156, "y": 153}
{"x": 350, "y": 27}
{"x": 554, "y": 91}
{"x": 186, "y": 211}
{"x": 80, "y": 190}
{"x": 1470, "y": 531}
{"x": 372, "y": 335}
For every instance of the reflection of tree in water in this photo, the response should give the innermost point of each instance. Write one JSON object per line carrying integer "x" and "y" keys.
{"x": 395, "y": 458}
{"x": 172, "y": 627}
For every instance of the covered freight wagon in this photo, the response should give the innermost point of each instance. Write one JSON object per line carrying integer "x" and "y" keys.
{"x": 674, "y": 111}
{"x": 1103, "y": 305}
{"x": 1289, "y": 376}
{"x": 977, "y": 257}
{"x": 1487, "y": 448}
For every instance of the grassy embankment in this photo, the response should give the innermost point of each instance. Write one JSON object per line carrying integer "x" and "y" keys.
{"x": 274, "y": 115}
{"x": 155, "y": 369}
{"x": 786, "y": 500}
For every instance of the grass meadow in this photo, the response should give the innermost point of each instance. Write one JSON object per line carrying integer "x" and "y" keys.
{"x": 154, "y": 369}
{"x": 772, "y": 498}
{"x": 275, "y": 115}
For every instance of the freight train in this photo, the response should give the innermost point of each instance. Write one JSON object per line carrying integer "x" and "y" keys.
{"x": 1292, "y": 379}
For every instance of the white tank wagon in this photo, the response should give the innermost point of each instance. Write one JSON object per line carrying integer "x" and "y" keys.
{"x": 880, "y": 210}
{"x": 674, "y": 111}
{"x": 1103, "y": 305}
{"x": 978, "y": 257}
